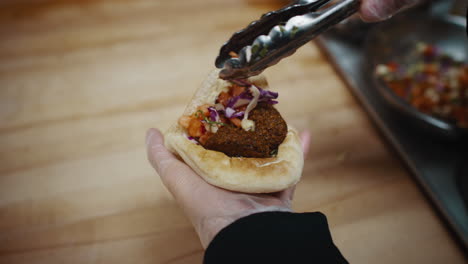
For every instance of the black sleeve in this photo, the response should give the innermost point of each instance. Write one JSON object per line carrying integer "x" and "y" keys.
{"x": 275, "y": 237}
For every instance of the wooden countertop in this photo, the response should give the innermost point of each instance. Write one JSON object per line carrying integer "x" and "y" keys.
{"x": 80, "y": 83}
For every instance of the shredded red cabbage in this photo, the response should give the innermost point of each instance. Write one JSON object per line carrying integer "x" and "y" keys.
{"x": 239, "y": 101}
{"x": 238, "y": 114}
{"x": 245, "y": 98}
{"x": 214, "y": 115}
{"x": 231, "y": 113}
{"x": 242, "y": 99}
{"x": 264, "y": 94}
{"x": 193, "y": 140}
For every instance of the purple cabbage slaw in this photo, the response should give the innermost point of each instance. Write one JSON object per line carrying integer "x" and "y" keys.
{"x": 214, "y": 115}
{"x": 193, "y": 140}
{"x": 244, "y": 99}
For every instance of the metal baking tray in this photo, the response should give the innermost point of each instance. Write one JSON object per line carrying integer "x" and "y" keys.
{"x": 438, "y": 165}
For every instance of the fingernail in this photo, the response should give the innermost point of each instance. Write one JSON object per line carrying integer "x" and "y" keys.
{"x": 149, "y": 135}
{"x": 382, "y": 10}
{"x": 379, "y": 11}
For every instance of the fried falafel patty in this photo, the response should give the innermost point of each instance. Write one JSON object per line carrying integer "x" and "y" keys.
{"x": 270, "y": 131}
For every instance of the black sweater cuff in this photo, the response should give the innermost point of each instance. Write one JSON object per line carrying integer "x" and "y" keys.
{"x": 275, "y": 237}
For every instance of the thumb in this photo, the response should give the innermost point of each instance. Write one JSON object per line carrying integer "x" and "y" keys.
{"x": 159, "y": 157}
{"x": 376, "y": 10}
{"x": 176, "y": 175}
{"x": 305, "y": 142}
{"x": 287, "y": 195}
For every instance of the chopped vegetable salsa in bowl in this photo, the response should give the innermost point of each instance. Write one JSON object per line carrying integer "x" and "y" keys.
{"x": 434, "y": 83}
{"x": 419, "y": 66}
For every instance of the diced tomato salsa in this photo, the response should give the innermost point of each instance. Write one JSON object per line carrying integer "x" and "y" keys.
{"x": 197, "y": 123}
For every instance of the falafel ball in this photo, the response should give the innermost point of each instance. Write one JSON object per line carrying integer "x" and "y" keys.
{"x": 270, "y": 132}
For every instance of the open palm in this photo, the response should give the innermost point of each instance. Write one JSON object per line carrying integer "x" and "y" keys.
{"x": 210, "y": 208}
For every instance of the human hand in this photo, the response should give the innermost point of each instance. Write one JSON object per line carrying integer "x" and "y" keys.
{"x": 210, "y": 208}
{"x": 376, "y": 10}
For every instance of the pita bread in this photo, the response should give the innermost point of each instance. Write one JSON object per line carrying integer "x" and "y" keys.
{"x": 248, "y": 175}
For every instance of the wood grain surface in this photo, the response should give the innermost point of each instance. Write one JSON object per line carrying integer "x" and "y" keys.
{"x": 82, "y": 81}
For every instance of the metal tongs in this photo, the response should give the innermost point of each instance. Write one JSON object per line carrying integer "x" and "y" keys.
{"x": 278, "y": 34}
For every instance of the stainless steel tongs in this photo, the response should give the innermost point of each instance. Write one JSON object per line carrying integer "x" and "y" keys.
{"x": 278, "y": 34}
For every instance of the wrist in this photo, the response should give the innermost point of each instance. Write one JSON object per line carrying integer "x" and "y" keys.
{"x": 209, "y": 227}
